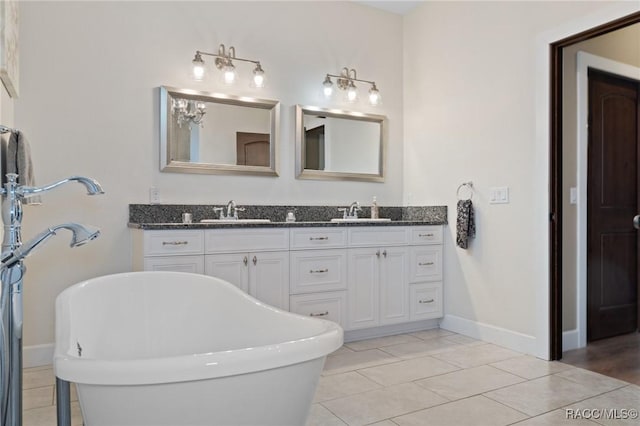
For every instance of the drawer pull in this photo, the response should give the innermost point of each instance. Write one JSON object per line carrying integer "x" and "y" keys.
{"x": 324, "y": 314}
{"x": 175, "y": 243}
{"x": 426, "y": 301}
{"x": 318, "y": 238}
{"x": 425, "y": 235}
{"x": 319, "y": 271}
{"x": 426, "y": 263}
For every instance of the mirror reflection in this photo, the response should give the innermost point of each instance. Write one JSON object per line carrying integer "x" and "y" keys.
{"x": 213, "y": 133}
{"x": 335, "y": 144}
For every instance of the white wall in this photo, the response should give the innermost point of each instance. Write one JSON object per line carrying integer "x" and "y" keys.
{"x": 89, "y": 105}
{"x": 476, "y": 109}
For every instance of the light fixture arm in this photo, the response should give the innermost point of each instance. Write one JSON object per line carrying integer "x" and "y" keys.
{"x": 222, "y": 58}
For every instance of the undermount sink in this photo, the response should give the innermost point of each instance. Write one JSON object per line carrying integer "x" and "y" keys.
{"x": 235, "y": 221}
{"x": 360, "y": 219}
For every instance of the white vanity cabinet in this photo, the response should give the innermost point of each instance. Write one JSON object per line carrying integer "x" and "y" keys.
{"x": 255, "y": 260}
{"x": 383, "y": 278}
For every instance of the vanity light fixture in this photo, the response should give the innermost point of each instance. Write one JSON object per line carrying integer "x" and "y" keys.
{"x": 188, "y": 111}
{"x": 224, "y": 61}
{"x": 346, "y": 81}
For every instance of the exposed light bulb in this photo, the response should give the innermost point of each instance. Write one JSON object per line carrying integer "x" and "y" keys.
{"x": 374, "y": 95}
{"x": 229, "y": 73}
{"x": 352, "y": 92}
{"x": 327, "y": 87}
{"x": 258, "y": 76}
{"x": 198, "y": 68}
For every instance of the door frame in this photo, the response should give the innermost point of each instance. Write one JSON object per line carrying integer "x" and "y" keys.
{"x": 584, "y": 62}
{"x": 555, "y": 171}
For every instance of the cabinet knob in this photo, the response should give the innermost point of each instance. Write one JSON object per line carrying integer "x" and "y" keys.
{"x": 426, "y": 301}
{"x": 378, "y": 253}
{"x": 384, "y": 253}
{"x": 254, "y": 260}
{"x": 245, "y": 261}
{"x": 323, "y": 314}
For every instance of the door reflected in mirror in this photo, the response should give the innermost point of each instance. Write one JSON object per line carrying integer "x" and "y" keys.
{"x": 339, "y": 145}
{"x": 230, "y": 134}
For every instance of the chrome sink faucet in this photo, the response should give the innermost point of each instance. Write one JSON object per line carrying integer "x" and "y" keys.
{"x": 351, "y": 212}
{"x": 354, "y": 208}
{"x": 232, "y": 211}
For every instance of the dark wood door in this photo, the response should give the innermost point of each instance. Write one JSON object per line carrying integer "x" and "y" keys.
{"x": 253, "y": 149}
{"x": 612, "y": 202}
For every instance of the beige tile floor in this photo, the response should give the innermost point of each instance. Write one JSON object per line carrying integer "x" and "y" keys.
{"x": 432, "y": 377}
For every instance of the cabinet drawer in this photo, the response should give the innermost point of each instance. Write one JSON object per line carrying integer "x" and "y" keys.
{"x": 318, "y": 270}
{"x": 309, "y": 238}
{"x": 376, "y": 236}
{"x": 425, "y": 264}
{"x": 330, "y": 305}
{"x": 163, "y": 243}
{"x": 193, "y": 264}
{"x": 245, "y": 240}
{"x": 425, "y": 301}
{"x": 427, "y": 235}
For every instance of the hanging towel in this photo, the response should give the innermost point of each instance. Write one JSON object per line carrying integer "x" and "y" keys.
{"x": 18, "y": 161}
{"x": 465, "y": 226}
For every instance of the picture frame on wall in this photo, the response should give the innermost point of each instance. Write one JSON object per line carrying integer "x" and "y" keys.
{"x": 9, "y": 46}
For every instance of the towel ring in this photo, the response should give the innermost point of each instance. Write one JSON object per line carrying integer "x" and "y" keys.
{"x": 468, "y": 186}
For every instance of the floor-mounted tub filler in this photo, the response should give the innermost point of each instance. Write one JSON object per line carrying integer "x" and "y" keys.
{"x": 171, "y": 348}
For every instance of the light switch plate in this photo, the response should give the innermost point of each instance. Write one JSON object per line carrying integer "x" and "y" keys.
{"x": 499, "y": 195}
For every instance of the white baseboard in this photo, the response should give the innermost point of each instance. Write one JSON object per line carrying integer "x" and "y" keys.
{"x": 388, "y": 330}
{"x": 37, "y": 355}
{"x": 570, "y": 340}
{"x": 500, "y": 336}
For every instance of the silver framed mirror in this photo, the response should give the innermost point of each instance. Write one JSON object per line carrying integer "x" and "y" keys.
{"x": 333, "y": 144}
{"x": 213, "y": 133}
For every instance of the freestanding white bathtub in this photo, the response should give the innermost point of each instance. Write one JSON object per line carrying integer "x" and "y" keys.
{"x": 170, "y": 348}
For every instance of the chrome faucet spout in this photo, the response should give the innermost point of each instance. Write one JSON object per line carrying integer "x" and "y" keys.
{"x": 92, "y": 185}
{"x": 354, "y": 208}
{"x": 231, "y": 209}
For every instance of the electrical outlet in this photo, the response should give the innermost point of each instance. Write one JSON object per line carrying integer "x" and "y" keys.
{"x": 154, "y": 195}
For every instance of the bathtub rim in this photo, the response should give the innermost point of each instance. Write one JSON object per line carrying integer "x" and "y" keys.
{"x": 198, "y": 366}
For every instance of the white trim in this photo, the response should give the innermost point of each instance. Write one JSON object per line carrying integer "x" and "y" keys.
{"x": 388, "y": 330}
{"x": 489, "y": 333}
{"x": 37, "y": 355}
{"x": 542, "y": 154}
{"x": 570, "y": 340}
{"x": 583, "y": 63}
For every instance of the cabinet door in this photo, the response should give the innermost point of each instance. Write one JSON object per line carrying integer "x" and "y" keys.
{"x": 394, "y": 285}
{"x": 233, "y": 268}
{"x": 269, "y": 278}
{"x": 363, "y": 287}
{"x": 194, "y": 264}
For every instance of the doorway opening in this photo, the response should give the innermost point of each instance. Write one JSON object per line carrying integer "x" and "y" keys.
{"x": 556, "y": 170}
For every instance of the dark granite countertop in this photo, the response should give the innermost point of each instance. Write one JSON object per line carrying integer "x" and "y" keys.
{"x": 169, "y": 216}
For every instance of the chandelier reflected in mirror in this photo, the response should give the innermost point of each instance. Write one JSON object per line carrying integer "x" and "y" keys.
{"x": 188, "y": 111}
